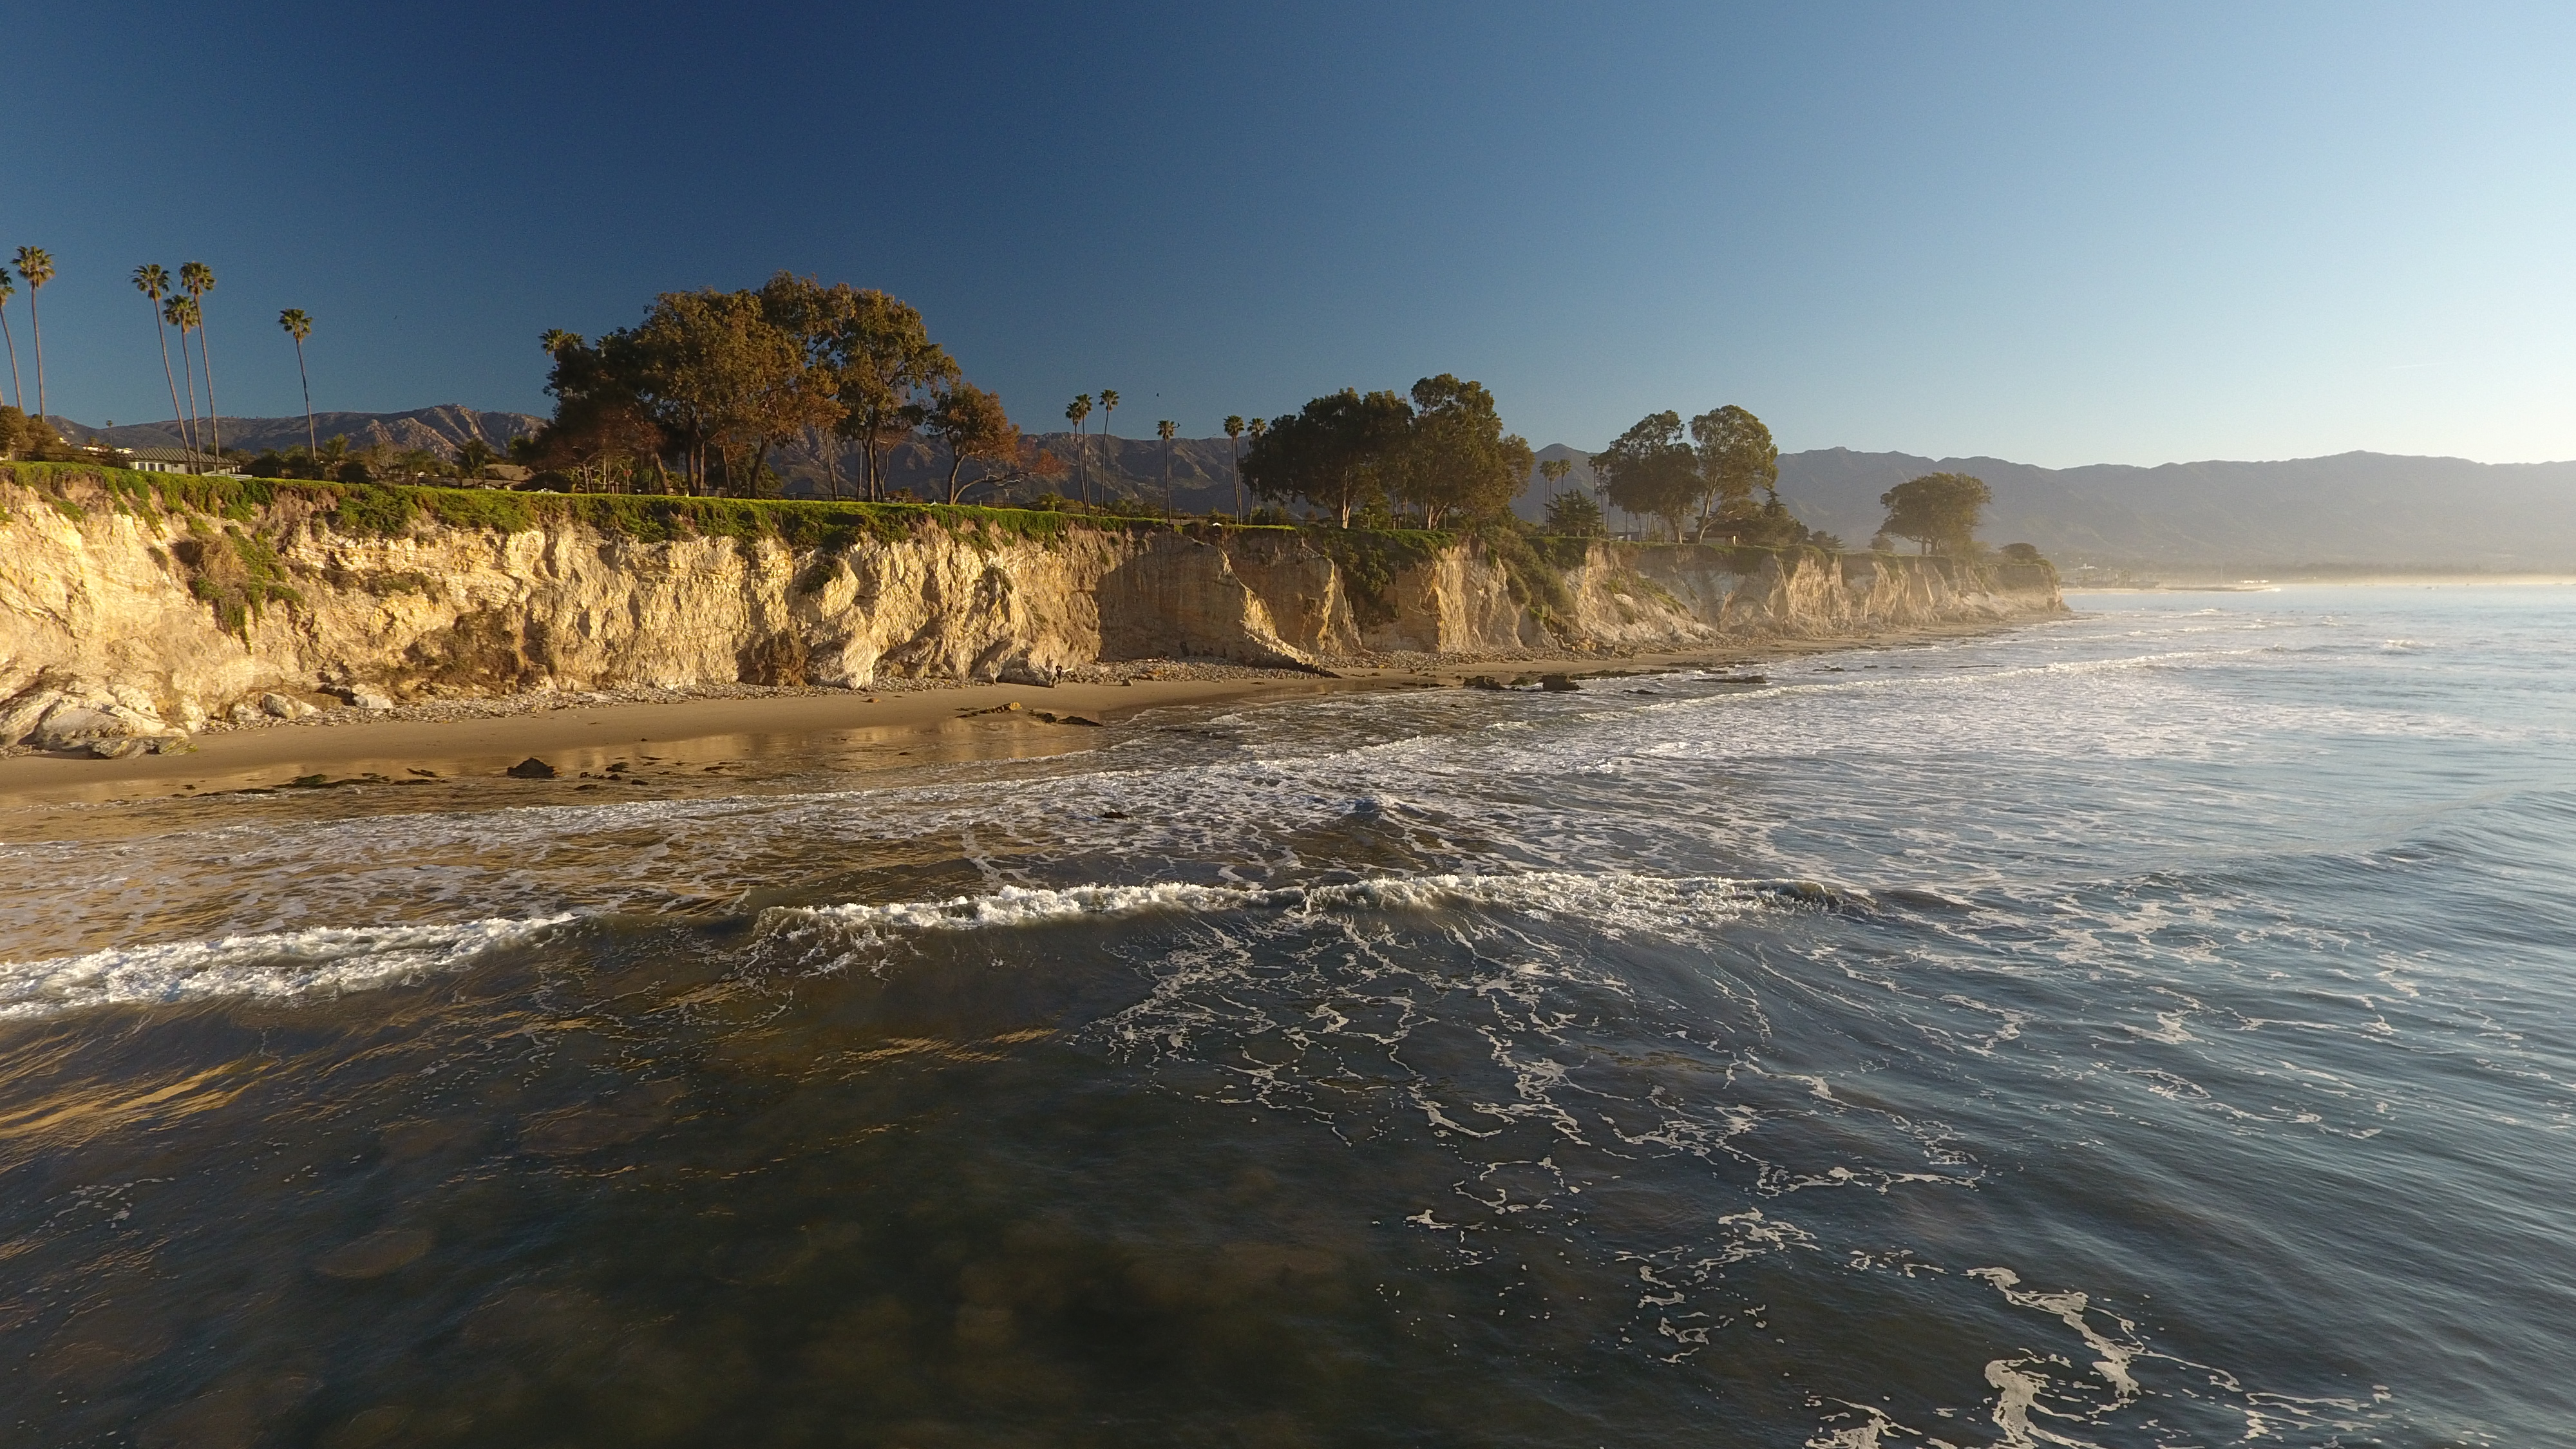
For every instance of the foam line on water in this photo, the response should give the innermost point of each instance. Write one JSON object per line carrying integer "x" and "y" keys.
{"x": 1614, "y": 899}
{"x": 274, "y": 966}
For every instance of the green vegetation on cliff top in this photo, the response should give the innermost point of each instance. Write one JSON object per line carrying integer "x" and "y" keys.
{"x": 1371, "y": 558}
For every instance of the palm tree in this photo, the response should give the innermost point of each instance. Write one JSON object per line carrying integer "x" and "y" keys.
{"x": 37, "y": 266}
{"x": 1234, "y": 451}
{"x": 154, "y": 284}
{"x": 1164, "y": 430}
{"x": 1075, "y": 411}
{"x": 182, "y": 314}
{"x": 1108, "y": 449}
{"x": 8, "y": 289}
{"x": 197, "y": 279}
{"x": 1253, "y": 428}
{"x": 299, "y": 327}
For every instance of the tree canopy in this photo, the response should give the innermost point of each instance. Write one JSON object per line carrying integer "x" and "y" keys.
{"x": 721, "y": 379}
{"x": 1335, "y": 453}
{"x": 1939, "y": 511}
{"x": 1650, "y": 470}
{"x": 1457, "y": 460}
{"x": 1736, "y": 456}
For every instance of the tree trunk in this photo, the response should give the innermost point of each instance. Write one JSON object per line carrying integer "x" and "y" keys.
{"x": 299, "y": 377}
{"x": 163, "y": 330}
{"x": 17, "y": 394}
{"x": 188, "y": 439}
{"x": 831, "y": 467}
{"x": 214, "y": 420}
{"x": 36, "y": 325}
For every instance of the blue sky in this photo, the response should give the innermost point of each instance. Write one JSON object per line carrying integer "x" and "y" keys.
{"x": 2059, "y": 234}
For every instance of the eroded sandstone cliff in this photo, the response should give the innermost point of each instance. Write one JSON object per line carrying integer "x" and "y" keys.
{"x": 136, "y": 610}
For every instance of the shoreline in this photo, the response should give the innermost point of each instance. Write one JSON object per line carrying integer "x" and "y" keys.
{"x": 584, "y": 736}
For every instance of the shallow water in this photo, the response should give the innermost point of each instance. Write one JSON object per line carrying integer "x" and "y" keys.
{"x": 2151, "y": 1029}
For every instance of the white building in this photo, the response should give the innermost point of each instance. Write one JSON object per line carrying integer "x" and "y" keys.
{"x": 170, "y": 460}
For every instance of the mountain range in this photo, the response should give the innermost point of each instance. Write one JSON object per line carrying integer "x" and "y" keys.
{"x": 440, "y": 429}
{"x": 2352, "y": 510}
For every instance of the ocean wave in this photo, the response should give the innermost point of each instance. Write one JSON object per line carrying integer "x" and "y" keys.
{"x": 275, "y": 966}
{"x": 1613, "y": 901}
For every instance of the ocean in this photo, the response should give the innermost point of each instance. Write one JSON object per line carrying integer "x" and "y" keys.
{"x": 2152, "y": 1028}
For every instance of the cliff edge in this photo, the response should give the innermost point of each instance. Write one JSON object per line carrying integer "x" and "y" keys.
{"x": 135, "y": 607}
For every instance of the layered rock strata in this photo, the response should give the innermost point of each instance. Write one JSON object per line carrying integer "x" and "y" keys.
{"x": 122, "y": 626}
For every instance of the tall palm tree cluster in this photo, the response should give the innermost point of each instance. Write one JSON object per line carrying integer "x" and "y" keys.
{"x": 182, "y": 304}
{"x": 176, "y": 302}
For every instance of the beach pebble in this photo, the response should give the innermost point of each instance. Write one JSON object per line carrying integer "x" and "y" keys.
{"x": 285, "y": 706}
{"x": 533, "y": 768}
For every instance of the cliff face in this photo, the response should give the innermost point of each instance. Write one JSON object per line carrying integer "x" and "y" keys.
{"x": 124, "y": 618}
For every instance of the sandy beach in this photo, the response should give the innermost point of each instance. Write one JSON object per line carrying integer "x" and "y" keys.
{"x": 609, "y": 743}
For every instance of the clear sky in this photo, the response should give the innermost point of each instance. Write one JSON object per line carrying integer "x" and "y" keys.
{"x": 2059, "y": 233}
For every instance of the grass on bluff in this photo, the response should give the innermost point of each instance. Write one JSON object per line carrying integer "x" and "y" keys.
{"x": 385, "y": 510}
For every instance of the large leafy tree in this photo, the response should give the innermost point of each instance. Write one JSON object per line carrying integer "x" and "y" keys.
{"x": 1736, "y": 456}
{"x": 976, "y": 429}
{"x": 1573, "y": 514}
{"x": 601, "y": 430}
{"x": 723, "y": 379}
{"x": 1939, "y": 511}
{"x": 36, "y": 265}
{"x": 884, "y": 370}
{"x": 1334, "y": 454}
{"x": 1650, "y": 470}
{"x": 1457, "y": 460}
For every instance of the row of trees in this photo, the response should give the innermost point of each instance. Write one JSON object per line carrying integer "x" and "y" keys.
{"x": 1441, "y": 454}
{"x": 710, "y": 384}
{"x": 382, "y": 462}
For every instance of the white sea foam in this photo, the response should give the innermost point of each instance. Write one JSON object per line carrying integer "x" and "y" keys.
{"x": 1613, "y": 900}
{"x": 279, "y": 966}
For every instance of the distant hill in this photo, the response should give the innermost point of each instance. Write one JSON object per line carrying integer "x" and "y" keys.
{"x": 440, "y": 429}
{"x": 2353, "y": 509}
{"x": 2350, "y": 509}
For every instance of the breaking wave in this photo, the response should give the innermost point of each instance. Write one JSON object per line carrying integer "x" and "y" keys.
{"x": 275, "y": 966}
